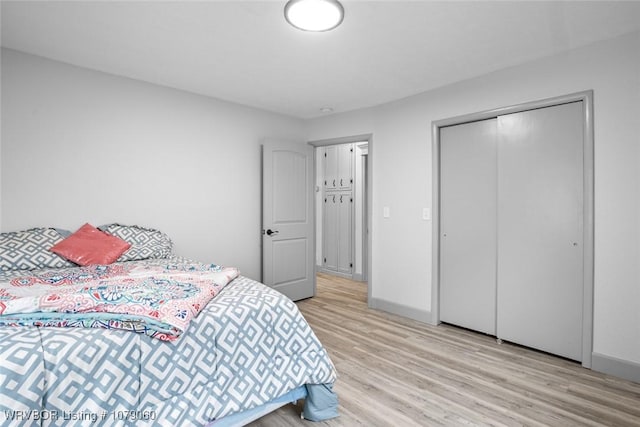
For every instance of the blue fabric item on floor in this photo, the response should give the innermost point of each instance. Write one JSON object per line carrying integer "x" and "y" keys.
{"x": 321, "y": 403}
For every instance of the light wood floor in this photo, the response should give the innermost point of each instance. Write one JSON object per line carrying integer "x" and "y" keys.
{"x": 398, "y": 372}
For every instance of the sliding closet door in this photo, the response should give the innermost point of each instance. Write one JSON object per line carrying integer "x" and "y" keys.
{"x": 540, "y": 233}
{"x": 468, "y": 225}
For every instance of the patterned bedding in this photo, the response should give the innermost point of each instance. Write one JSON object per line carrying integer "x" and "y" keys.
{"x": 247, "y": 346}
{"x": 158, "y": 299}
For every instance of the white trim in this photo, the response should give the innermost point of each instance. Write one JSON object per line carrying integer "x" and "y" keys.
{"x": 617, "y": 367}
{"x": 342, "y": 140}
{"x": 358, "y": 277}
{"x": 336, "y": 273}
{"x": 364, "y": 148}
{"x": 401, "y": 310}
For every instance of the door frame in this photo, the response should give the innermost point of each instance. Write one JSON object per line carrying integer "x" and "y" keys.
{"x": 369, "y": 191}
{"x": 364, "y": 147}
{"x": 588, "y": 203}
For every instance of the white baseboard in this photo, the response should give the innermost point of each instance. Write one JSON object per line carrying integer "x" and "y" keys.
{"x": 401, "y": 310}
{"x": 335, "y": 273}
{"x": 358, "y": 277}
{"x": 616, "y": 367}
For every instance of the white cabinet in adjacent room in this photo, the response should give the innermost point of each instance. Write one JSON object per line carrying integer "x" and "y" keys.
{"x": 338, "y": 167}
{"x": 338, "y": 210}
{"x": 337, "y": 244}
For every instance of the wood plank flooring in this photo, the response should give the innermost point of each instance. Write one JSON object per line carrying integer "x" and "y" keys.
{"x": 398, "y": 372}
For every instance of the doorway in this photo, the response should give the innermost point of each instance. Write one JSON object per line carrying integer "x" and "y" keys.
{"x": 355, "y": 218}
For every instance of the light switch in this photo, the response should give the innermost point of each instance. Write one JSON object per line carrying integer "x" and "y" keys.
{"x": 426, "y": 214}
{"x": 385, "y": 212}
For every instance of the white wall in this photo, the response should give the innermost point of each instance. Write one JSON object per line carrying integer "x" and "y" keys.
{"x": 83, "y": 146}
{"x": 401, "y": 155}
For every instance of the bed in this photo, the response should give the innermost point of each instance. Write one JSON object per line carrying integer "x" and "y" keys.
{"x": 244, "y": 352}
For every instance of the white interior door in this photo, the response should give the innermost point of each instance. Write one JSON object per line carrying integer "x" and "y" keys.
{"x": 540, "y": 232}
{"x": 468, "y": 225}
{"x": 287, "y": 219}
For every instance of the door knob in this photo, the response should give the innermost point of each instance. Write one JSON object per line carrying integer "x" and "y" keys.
{"x": 270, "y": 232}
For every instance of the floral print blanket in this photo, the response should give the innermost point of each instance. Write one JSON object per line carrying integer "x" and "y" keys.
{"x": 158, "y": 300}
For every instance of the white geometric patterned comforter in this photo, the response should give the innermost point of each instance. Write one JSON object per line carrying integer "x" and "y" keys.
{"x": 248, "y": 346}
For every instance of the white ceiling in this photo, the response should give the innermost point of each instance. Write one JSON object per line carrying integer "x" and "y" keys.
{"x": 245, "y": 52}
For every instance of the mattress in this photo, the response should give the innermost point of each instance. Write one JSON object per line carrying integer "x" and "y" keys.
{"x": 248, "y": 346}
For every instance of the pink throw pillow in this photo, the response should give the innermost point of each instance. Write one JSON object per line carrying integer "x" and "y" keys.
{"x": 90, "y": 246}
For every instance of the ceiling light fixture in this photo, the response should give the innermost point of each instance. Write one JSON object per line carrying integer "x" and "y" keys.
{"x": 314, "y": 15}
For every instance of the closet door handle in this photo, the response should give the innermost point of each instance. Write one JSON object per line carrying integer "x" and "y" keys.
{"x": 340, "y": 199}
{"x": 270, "y": 232}
{"x": 340, "y": 182}
{"x": 334, "y": 182}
